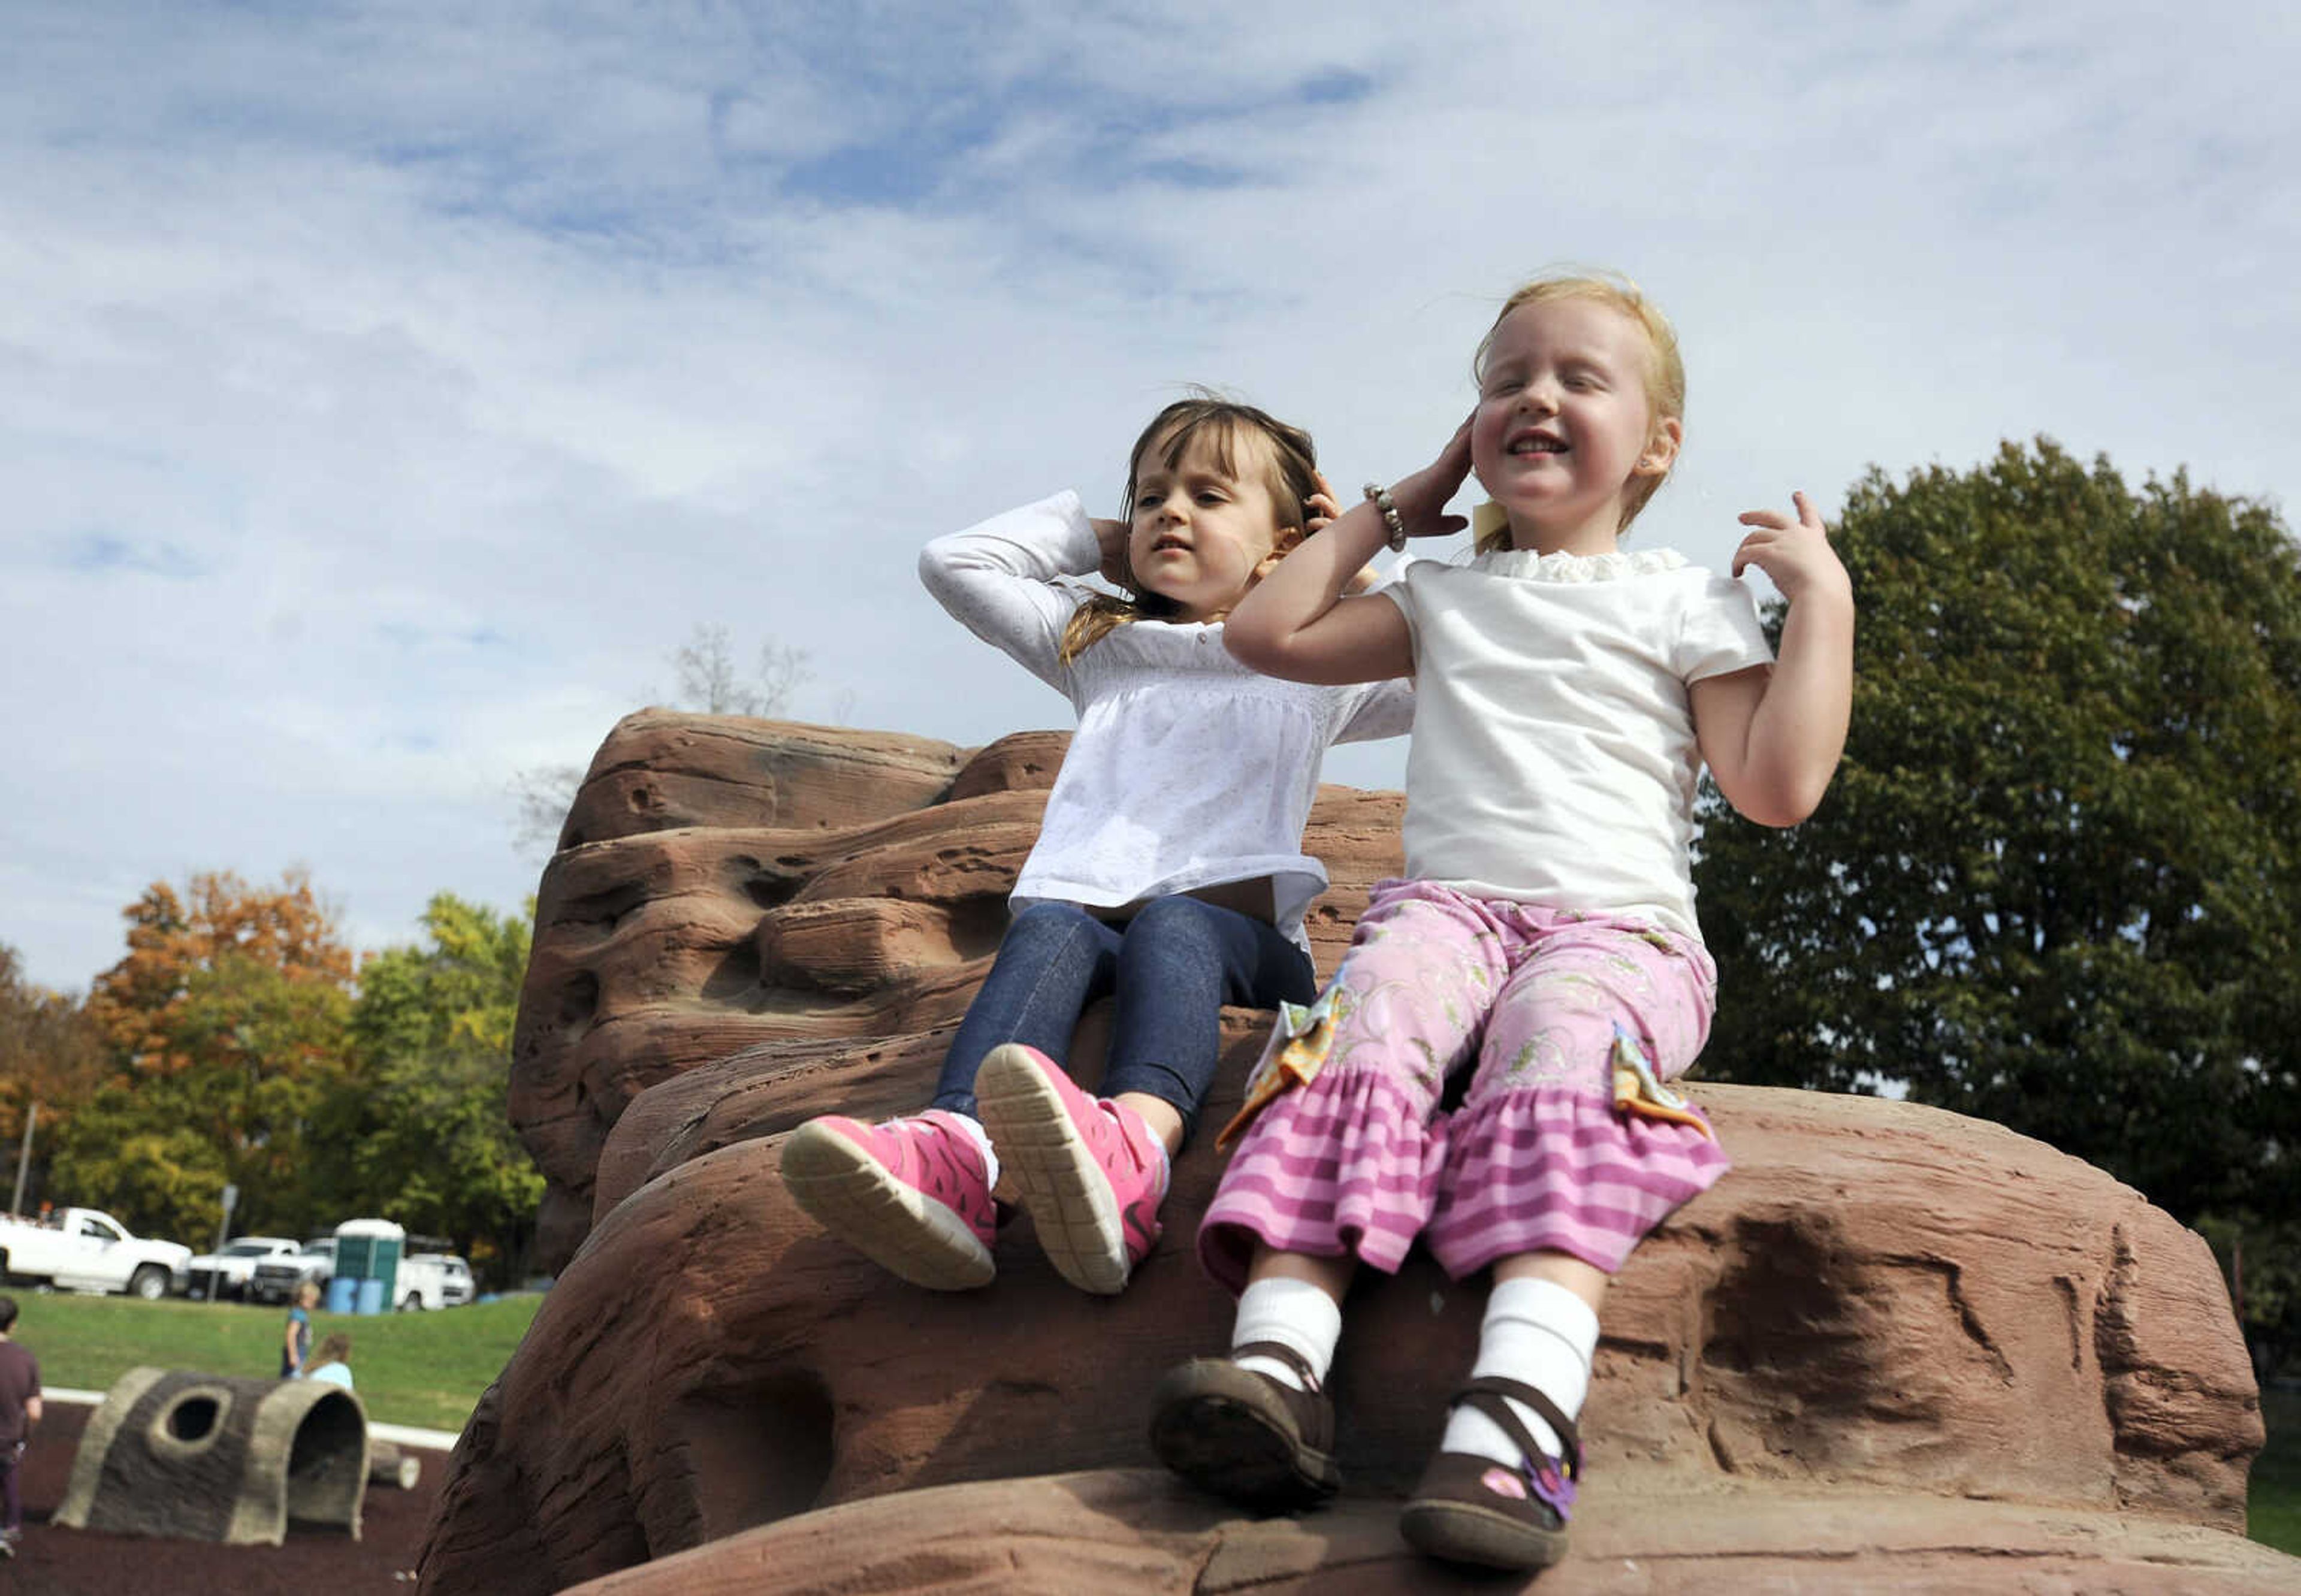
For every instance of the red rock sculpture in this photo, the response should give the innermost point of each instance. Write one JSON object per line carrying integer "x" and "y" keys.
{"x": 1896, "y": 1349}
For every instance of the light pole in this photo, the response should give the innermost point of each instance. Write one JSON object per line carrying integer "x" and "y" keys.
{"x": 24, "y": 1157}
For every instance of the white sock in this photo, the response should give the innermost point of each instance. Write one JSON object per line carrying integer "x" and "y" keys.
{"x": 1538, "y": 1332}
{"x": 982, "y": 1139}
{"x": 1294, "y": 1313}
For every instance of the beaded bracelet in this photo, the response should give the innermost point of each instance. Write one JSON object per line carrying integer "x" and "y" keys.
{"x": 1380, "y": 495}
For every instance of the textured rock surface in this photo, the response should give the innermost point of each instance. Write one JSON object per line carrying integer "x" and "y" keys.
{"x": 1882, "y": 1297}
{"x": 1132, "y": 1531}
{"x": 724, "y": 883}
{"x": 1894, "y": 1349}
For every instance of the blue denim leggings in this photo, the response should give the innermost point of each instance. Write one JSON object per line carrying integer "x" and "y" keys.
{"x": 1173, "y": 966}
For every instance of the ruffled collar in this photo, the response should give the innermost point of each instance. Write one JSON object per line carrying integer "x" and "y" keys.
{"x": 1562, "y": 567}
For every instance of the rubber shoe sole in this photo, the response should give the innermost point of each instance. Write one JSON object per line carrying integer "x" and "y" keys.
{"x": 1056, "y": 1175}
{"x": 1215, "y": 1425}
{"x": 893, "y": 1224}
{"x": 1458, "y": 1532}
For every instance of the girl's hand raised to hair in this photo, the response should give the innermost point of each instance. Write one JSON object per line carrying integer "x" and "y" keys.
{"x": 1422, "y": 498}
{"x": 1794, "y": 552}
{"x": 1113, "y": 536}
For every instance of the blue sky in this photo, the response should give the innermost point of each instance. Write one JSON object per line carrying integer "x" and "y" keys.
{"x": 384, "y": 394}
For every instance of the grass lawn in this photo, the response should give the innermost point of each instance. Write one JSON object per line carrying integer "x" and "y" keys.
{"x": 426, "y": 1369}
{"x": 2272, "y": 1507}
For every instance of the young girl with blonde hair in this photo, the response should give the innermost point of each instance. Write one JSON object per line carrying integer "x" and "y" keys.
{"x": 1168, "y": 871}
{"x": 1568, "y": 693}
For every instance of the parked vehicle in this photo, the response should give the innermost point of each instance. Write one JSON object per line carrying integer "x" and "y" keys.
{"x": 217, "y": 1276}
{"x": 277, "y": 1278}
{"x": 86, "y": 1249}
{"x": 434, "y": 1279}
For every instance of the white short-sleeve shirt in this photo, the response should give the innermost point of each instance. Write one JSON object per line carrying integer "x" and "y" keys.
{"x": 1187, "y": 770}
{"x": 1554, "y": 759}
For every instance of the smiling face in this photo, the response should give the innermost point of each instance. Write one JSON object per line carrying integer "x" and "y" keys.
{"x": 1565, "y": 437}
{"x": 1204, "y": 524}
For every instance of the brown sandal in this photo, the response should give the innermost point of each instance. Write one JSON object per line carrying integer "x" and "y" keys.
{"x": 1472, "y": 1509}
{"x": 1244, "y": 1436}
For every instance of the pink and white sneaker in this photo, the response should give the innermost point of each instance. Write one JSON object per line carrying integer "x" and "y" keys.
{"x": 912, "y": 1194}
{"x": 1090, "y": 1171}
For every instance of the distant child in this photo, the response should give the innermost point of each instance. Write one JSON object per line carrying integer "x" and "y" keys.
{"x": 332, "y": 1363}
{"x": 295, "y": 1342}
{"x": 19, "y": 1415}
{"x": 1169, "y": 867}
{"x": 1569, "y": 692}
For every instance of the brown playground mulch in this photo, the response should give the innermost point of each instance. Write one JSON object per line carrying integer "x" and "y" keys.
{"x": 52, "y": 1561}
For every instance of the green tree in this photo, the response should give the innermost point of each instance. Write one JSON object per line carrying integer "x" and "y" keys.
{"x": 2056, "y": 882}
{"x": 428, "y": 1140}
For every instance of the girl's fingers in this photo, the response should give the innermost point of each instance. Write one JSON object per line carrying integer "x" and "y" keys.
{"x": 1807, "y": 516}
{"x": 1457, "y": 447}
{"x": 1753, "y": 551}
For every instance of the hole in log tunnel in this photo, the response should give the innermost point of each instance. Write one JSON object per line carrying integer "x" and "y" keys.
{"x": 757, "y": 1453}
{"x": 327, "y": 1466}
{"x": 193, "y": 1418}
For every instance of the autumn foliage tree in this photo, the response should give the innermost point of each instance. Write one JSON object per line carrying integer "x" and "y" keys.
{"x": 140, "y": 1003}
{"x": 226, "y": 1026}
{"x": 51, "y": 1054}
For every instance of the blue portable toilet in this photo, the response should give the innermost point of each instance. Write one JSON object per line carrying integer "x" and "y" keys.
{"x": 367, "y": 1264}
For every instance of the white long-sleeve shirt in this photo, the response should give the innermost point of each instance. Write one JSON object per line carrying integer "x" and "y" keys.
{"x": 1187, "y": 770}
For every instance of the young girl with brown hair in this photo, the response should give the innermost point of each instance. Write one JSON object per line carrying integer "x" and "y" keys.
{"x": 1168, "y": 873}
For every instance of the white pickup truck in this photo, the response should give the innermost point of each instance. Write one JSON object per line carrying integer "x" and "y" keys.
{"x": 85, "y": 1249}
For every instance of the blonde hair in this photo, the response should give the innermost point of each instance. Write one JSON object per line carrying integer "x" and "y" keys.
{"x": 1665, "y": 374}
{"x": 1222, "y": 422}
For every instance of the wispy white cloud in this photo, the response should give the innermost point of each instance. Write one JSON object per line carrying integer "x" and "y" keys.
{"x": 384, "y": 392}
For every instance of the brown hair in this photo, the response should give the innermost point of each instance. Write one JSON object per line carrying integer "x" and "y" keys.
{"x": 1665, "y": 372}
{"x": 336, "y": 1348}
{"x": 1222, "y": 422}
